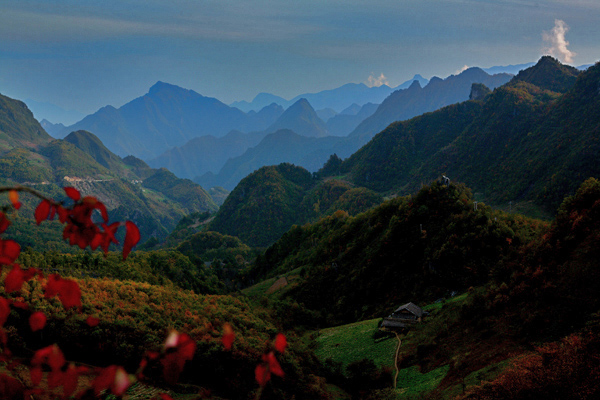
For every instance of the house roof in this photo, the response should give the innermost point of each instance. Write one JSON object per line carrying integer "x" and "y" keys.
{"x": 412, "y": 308}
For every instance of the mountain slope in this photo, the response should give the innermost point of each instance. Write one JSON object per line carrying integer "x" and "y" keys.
{"x": 266, "y": 203}
{"x": 278, "y": 147}
{"x": 519, "y": 143}
{"x": 408, "y": 103}
{"x": 205, "y": 153}
{"x": 18, "y": 127}
{"x": 301, "y": 118}
{"x": 91, "y": 145}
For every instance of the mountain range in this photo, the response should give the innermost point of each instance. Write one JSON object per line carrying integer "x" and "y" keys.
{"x": 310, "y": 153}
{"x": 154, "y": 199}
{"x": 337, "y": 99}
{"x": 165, "y": 117}
{"x": 533, "y": 139}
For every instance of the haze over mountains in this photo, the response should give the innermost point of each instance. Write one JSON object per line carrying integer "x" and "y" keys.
{"x": 201, "y": 138}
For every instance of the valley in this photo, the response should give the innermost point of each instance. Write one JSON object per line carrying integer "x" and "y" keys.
{"x": 271, "y": 248}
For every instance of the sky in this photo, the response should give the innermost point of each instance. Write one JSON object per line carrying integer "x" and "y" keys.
{"x": 82, "y": 55}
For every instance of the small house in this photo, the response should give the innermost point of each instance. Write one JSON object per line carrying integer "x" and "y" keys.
{"x": 404, "y": 317}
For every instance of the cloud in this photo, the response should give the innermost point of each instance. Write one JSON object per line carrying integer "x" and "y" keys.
{"x": 377, "y": 81}
{"x": 461, "y": 70}
{"x": 557, "y": 44}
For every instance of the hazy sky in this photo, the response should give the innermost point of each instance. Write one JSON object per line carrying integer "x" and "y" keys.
{"x": 82, "y": 54}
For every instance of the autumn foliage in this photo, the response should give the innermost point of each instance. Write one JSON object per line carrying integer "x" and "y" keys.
{"x": 86, "y": 224}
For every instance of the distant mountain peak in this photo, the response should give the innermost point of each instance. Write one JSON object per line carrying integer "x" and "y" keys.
{"x": 161, "y": 86}
{"x": 415, "y": 85}
{"x": 549, "y": 74}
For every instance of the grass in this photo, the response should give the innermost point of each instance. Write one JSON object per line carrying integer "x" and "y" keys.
{"x": 353, "y": 342}
{"x": 438, "y": 306}
{"x": 411, "y": 382}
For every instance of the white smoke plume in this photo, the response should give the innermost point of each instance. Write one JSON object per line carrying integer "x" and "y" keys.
{"x": 377, "y": 81}
{"x": 556, "y": 42}
{"x": 461, "y": 70}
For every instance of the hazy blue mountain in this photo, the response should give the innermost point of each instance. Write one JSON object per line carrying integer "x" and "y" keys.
{"x": 344, "y": 123}
{"x": 508, "y": 69}
{"x": 261, "y": 101}
{"x": 165, "y": 117}
{"x": 280, "y": 146}
{"x": 205, "y": 153}
{"x": 208, "y": 154}
{"x": 52, "y": 112}
{"x": 301, "y": 118}
{"x": 352, "y": 109}
{"x": 267, "y": 115}
{"x": 407, "y": 103}
{"x": 52, "y": 129}
{"x": 422, "y": 81}
{"x": 326, "y": 113}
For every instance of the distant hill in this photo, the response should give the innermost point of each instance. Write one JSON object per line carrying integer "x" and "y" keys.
{"x": 345, "y": 122}
{"x": 311, "y": 154}
{"x": 266, "y": 203}
{"x": 301, "y": 118}
{"x": 519, "y": 143}
{"x": 206, "y": 156}
{"x": 52, "y": 129}
{"x": 91, "y": 145}
{"x": 165, "y": 117}
{"x": 405, "y": 104}
{"x": 205, "y": 153}
{"x": 281, "y": 146}
{"x": 549, "y": 74}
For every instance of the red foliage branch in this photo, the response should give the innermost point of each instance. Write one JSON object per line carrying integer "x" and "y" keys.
{"x": 82, "y": 230}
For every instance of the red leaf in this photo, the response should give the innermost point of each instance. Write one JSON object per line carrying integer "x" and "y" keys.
{"x": 280, "y": 342}
{"x": 70, "y": 379}
{"x": 102, "y": 208}
{"x": 63, "y": 214}
{"x": 36, "y": 374}
{"x": 68, "y": 291}
{"x": 73, "y": 193}
{"x": 92, "y": 321}
{"x": 165, "y": 396}
{"x": 14, "y": 280}
{"x": 4, "y": 222}
{"x": 262, "y": 374}
{"x": 9, "y": 251}
{"x": 4, "y": 310}
{"x": 42, "y": 211}
{"x": 69, "y": 294}
{"x": 37, "y": 321}
{"x": 228, "y": 336}
{"x": 10, "y": 388}
{"x": 274, "y": 366}
{"x": 132, "y": 237}
{"x": 104, "y": 379}
{"x": 52, "y": 286}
